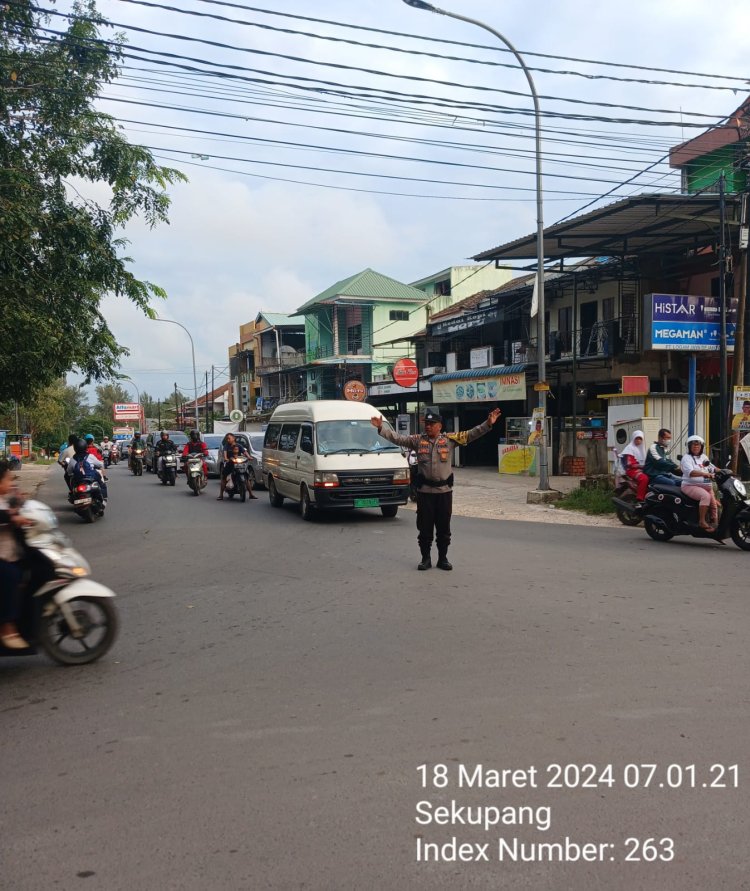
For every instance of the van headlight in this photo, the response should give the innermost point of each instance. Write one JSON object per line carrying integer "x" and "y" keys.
{"x": 326, "y": 480}
{"x": 401, "y": 476}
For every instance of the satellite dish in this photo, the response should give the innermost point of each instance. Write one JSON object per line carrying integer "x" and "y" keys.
{"x": 236, "y": 415}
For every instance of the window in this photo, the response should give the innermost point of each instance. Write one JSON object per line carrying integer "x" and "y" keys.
{"x": 354, "y": 340}
{"x": 399, "y": 315}
{"x": 289, "y": 437}
{"x": 565, "y": 328}
{"x": 306, "y": 439}
{"x": 608, "y": 309}
{"x": 272, "y": 436}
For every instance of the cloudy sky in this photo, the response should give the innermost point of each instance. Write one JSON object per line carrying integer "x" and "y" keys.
{"x": 310, "y": 159}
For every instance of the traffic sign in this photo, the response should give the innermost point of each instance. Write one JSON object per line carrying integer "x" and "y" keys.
{"x": 236, "y": 415}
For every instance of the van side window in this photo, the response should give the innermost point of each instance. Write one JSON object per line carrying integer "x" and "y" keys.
{"x": 288, "y": 438}
{"x": 272, "y": 436}
{"x": 306, "y": 439}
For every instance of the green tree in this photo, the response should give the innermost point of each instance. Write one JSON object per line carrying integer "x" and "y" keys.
{"x": 107, "y": 395}
{"x": 60, "y": 252}
{"x": 54, "y": 412}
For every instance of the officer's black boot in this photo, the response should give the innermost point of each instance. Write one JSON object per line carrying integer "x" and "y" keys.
{"x": 426, "y": 561}
{"x": 443, "y": 561}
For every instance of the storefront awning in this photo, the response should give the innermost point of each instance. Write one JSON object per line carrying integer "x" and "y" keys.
{"x": 468, "y": 374}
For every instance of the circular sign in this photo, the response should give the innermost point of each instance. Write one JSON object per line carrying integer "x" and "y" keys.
{"x": 355, "y": 391}
{"x": 236, "y": 415}
{"x": 405, "y": 372}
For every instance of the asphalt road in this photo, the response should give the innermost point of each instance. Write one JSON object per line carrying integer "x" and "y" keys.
{"x": 277, "y": 684}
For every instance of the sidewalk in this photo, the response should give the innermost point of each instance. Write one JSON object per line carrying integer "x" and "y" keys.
{"x": 31, "y": 476}
{"x": 483, "y": 492}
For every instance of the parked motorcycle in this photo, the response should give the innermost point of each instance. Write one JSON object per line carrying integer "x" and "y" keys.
{"x": 667, "y": 512}
{"x": 87, "y": 500}
{"x": 70, "y": 616}
{"x": 167, "y": 473}
{"x": 237, "y": 481}
{"x": 136, "y": 460}
{"x": 196, "y": 478}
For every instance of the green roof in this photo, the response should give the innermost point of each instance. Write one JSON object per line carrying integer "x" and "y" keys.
{"x": 369, "y": 285}
{"x": 278, "y": 319}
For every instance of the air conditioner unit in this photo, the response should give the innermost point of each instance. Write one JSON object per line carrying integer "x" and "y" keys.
{"x": 433, "y": 369}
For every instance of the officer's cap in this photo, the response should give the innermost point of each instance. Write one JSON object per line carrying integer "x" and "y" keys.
{"x": 432, "y": 416}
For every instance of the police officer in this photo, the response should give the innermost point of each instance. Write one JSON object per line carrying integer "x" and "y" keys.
{"x": 434, "y": 480}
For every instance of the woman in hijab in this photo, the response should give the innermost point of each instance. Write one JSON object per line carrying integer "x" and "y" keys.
{"x": 633, "y": 457}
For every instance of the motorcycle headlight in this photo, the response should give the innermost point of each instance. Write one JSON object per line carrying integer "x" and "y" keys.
{"x": 740, "y": 487}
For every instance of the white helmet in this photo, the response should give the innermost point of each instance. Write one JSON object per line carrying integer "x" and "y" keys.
{"x": 695, "y": 438}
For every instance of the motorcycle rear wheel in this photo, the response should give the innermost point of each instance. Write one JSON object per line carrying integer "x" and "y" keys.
{"x": 741, "y": 534}
{"x": 54, "y": 632}
{"x": 628, "y": 519}
{"x": 658, "y": 533}
{"x": 243, "y": 492}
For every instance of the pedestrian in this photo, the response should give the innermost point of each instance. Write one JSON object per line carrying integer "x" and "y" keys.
{"x": 434, "y": 480}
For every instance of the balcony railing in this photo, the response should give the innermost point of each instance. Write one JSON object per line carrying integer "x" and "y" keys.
{"x": 616, "y": 337}
{"x": 358, "y": 349}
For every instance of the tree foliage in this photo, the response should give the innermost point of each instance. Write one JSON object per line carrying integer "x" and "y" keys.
{"x": 107, "y": 395}
{"x": 60, "y": 252}
{"x": 51, "y": 415}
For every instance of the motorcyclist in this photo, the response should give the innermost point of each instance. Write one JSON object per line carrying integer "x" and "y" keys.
{"x": 106, "y": 449}
{"x": 195, "y": 445}
{"x": 66, "y": 456}
{"x": 163, "y": 447}
{"x": 86, "y": 466}
{"x": 697, "y": 482}
{"x": 135, "y": 442}
{"x": 658, "y": 467}
{"x": 232, "y": 449}
{"x": 633, "y": 457}
{"x": 93, "y": 447}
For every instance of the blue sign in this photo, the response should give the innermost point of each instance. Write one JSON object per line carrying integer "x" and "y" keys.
{"x": 684, "y": 322}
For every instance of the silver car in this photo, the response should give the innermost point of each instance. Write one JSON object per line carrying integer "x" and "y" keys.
{"x": 213, "y": 444}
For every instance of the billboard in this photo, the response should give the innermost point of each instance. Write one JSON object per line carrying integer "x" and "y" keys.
{"x": 686, "y": 322}
{"x": 494, "y": 388}
{"x": 126, "y": 411}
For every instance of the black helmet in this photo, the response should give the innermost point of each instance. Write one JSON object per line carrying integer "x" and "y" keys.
{"x": 137, "y": 435}
{"x": 194, "y": 436}
{"x": 72, "y": 440}
{"x": 82, "y": 448}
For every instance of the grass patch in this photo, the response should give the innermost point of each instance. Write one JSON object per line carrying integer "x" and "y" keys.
{"x": 590, "y": 501}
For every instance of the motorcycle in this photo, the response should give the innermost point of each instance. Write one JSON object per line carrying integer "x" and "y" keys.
{"x": 66, "y": 613}
{"x": 625, "y": 500}
{"x": 136, "y": 460}
{"x": 667, "y": 512}
{"x": 168, "y": 471}
{"x": 237, "y": 481}
{"x": 196, "y": 478}
{"x": 114, "y": 454}
{"x": 87, "y": 500}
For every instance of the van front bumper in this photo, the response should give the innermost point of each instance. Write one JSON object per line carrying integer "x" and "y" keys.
{"x": 346, "y": 498}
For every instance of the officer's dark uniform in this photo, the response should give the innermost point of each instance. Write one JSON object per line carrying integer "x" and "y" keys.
{"x": 434, "y": 483}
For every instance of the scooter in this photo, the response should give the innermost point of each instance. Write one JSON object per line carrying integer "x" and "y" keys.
{"x": 196, "y": 478}
{"x": 87, "y": 500}
{"x": 667, "y": 512}
{"x": 237, "y": 481}
{"x": 168, "y": 472}
{"x": 66, "y": 613}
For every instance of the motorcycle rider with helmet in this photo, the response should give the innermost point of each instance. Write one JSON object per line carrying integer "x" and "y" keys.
{"x": 163, "y": 447}
{"x": 93, "y": 447}
{"x": 196, "y": 446}
{"x": 232, "y": 449}
{"x": 135, "y": 443}
{"x": 697, "y": 482}
{"x": 66, "y": 456}
{"x": 86, "y": 466}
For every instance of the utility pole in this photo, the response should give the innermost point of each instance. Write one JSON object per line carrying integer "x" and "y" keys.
{"x": 724, "y": 377}
{"x": 205, "y": 420}
{"x": 176, "y": 407}
{"x": 212, "y": 390}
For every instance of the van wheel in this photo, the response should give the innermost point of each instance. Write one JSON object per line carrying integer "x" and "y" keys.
{"x": 273, "y": 496}
{"x": 306, "y": 507}
{"x": 389, "y": 510}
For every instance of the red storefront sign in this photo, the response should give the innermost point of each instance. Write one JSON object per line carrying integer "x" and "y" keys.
{"x": 405, "y": 372}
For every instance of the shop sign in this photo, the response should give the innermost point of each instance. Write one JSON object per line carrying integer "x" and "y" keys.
{"x": 464, "y": 322}
{"x": 517, "y": 459}
{"x": 686, "y": 322}
{"x": 355, "y": 391}
{"x": 498, "y": 388}
{"x": 405, "y": 372}
{"x": 389, "y": 389}
{"x": 127, "y": 411}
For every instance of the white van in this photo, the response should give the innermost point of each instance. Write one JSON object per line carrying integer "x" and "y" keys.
{"x": 326, "y": 455}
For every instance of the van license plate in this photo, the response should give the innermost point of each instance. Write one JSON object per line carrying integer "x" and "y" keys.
{"x": 367, "y": 502}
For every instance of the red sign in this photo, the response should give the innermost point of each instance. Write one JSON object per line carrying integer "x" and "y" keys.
{"x": 405, "y": 372}
{"x": 636, "y": 384}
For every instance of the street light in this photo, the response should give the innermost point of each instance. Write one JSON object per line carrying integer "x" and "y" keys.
{"x": 541, "y": 308}
{"x": 192, "y": 348}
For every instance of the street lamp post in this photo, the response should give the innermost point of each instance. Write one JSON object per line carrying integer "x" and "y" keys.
{"x": 192, "y": 349}
{"x": 541, "y": 308}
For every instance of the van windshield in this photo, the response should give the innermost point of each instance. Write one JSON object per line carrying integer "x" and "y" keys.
{"x": 340, "y": 437}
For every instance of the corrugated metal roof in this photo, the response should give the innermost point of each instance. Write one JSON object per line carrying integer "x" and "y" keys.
{"x": 468, "y": 374}
{"x": 641, "y": 224}
{"x": 278, "y": 319}
{"x": 368, "y": 284}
